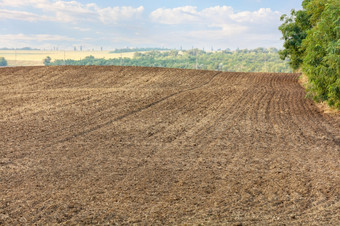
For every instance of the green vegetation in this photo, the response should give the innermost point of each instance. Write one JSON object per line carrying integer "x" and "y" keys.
{"x": 47, "y": 61}
{"x": 312, "y": 43}
{"x": 131, "y": 50}
{"x": 294, "y": 30}
{"x": 256, "y": 60}
{"x": 3, "y": 61}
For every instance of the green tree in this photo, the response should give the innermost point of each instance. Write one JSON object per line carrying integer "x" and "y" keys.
{"x": 47, "y": 61}
{"x": 3, "y": 61}
{"x": 322, "y": 59}
{"x": 314, "y": 9}
{"x": 294, "y": 30}
{"x": 312, "y": 41}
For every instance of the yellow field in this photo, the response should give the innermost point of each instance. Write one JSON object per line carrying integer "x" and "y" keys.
{"x": 35, "y": 57}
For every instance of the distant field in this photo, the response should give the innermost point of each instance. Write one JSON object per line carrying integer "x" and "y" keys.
{"x": 35, "y": 57}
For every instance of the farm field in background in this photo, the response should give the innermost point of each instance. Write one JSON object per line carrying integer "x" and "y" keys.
{"x": 156, "y": 146}
{"x": 36, "y": 57}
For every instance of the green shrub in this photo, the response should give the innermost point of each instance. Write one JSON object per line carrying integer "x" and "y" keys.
{"x": 312, "y": 41}
{"x": 322, "y": 58}
{"x": 3, "y": 61}
{"x": 47, "y": 61}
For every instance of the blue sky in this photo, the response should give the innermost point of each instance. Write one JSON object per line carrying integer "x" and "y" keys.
{"x": 163, "y": 23}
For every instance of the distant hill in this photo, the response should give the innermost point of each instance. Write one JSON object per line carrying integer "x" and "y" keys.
{"x": 24, "y": 48}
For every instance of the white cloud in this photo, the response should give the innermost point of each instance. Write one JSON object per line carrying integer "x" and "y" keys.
{"x": 107, "y": 15}
{"x": 180, "y": 15}
{"x": 118, "y": 26}
{"x": 263, "y": 15}
{"x": 217, "y": 16}
{"x": 20, "y": 3}
{"x": 220, "y": 25}
{"x": 22, "y": 15}
{"x": 13, "y": 3}
{"x": 69, "y": 11}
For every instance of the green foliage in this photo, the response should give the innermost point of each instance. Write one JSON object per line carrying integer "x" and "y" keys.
{"x": 294, "y": 31}
{"x": 257, "y": 60}
{"x": 3, "y": 61}
{"x": 314, "y": 9}
{"x": 47, "y": 61}
{"x": 312, "y": 41}
{"x": 322, "y": 58}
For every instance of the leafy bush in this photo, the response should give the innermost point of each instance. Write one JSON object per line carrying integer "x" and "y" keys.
{"x": 3, "y": 61}
{"x": 294, "y": 30}
{"x": 312, "y": 41}
{"x": 322, "y": 59}
{"x": 47, "y": 61}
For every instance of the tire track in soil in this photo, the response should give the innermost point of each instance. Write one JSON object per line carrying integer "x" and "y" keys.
{"x": 57, "y": 104}
{"x": 94, "y": 116}
{"x": 237, "y": 114}
{"x": 193, "y": 99}
{"x": 104, "y": 112}
{"x": 91, "y": 117}
{"x": 296, "y": 103}
{"x": 274, "y": 106}
{"x": 316, "y": 125}
{"x": 49, "y": 132}
{"x": 146, "y": 162}
{"x": 256, "y": 106}
{"x": 234, "y": 111}
{"x": 253, "y": 116}
{"x": 204, "y": 101}
{"x": 99, "y": 126}
{"x": 183, "y": 109}
{"x": 188, "y": 175}
{"x": 240, "y": 118}
{"x": 132, "y": 174}
{"x": 236, "y": 102}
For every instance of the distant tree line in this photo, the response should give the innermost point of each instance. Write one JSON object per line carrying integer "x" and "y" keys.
{"x": 130, "y": 50}
{"x": 312, "y": 44}
{"x": 256, "y": 60}
{"x": 24, "y": 48}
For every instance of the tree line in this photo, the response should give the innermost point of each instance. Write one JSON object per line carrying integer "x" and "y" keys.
{"x": 312, "y": 44}
{"x": 129, "y": 50}
{"x": 256, "y": 60}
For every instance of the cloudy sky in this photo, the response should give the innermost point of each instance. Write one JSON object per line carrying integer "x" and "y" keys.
{"x": 145, "y": 23}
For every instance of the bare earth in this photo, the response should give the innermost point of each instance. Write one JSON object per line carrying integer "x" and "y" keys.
{"x": 129, "y": 145}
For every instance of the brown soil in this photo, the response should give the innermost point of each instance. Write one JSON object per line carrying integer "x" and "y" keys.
{"x": 124, "y": 145}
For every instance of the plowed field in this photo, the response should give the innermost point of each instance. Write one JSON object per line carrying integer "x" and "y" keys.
{"x": 124, "y": 145}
